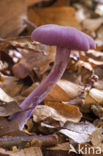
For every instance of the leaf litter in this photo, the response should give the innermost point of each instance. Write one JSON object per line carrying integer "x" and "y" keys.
{"x": 72, "y": 112}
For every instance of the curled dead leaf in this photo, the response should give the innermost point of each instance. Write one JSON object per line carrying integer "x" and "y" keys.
{"x": 64, "y": 91}
{"x": 57, "y": 111}
{"x": 79, "y": 132}
{"x": 4, "y": 97}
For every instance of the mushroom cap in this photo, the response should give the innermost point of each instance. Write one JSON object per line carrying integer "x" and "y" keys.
{"x": 62, "y": 36}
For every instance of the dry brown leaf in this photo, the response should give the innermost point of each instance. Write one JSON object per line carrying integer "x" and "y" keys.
{"x": 27, "y": 91}
{"x": 32, "y": 2}
{"x": 94, "y": 54}
{"x": 95, "y": 62}
{"x": 97, "y": 138}
{"x": 99, "y": 44}
{"x": 82, "y": 13}
{"x": 12, "y": 13}
{"x": 98, "y": 110}
{"x": 10, "y": 85}
{"x": 34, "y": 56}
{"x": 56, "y": 15}
{"x": 99, "y": 84}
{"x": 78, "y": 132}
{"x": 59, "y": 3}
{"x": 4, "y": 97}
{"x": 99, "y": 9}
{"x": 98, "y": 69}
{"x": 85, "y": 70}
{"x": 97, "y": 95}
{"x": 68, "y": 111}
{"x": 72, "y": 113}
{"x": 62, "y": 146}
{"x": 32, "y": 151}
{"x": 100, "y": 34}
{"x": 92, "y": 24}
{"x": 8, "y": 127}
{"x": 64, "y": 91}
{"x": 9, "y": 108}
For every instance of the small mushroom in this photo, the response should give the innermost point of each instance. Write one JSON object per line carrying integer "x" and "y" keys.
{"x": 65, "y": 39}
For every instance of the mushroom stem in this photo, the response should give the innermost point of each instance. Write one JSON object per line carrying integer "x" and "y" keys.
{"x": 44, "y": 88}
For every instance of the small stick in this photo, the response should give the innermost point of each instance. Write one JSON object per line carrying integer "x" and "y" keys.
{"x": 25, "y": 141}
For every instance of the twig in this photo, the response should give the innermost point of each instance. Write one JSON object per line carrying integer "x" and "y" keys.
{"x": 24, "y": 141}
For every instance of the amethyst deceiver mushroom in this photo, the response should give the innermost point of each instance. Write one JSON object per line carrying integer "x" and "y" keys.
{"x": 65, "y": 39}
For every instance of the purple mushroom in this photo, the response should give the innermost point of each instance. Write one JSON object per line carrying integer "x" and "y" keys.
{"x": 65, "y": 39}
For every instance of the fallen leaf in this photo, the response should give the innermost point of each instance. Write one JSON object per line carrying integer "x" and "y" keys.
{"x": 34, "y": 56}
{"x": 7, "y": 127}
{"x": 62, "y": 146}
{"x": 4, "y": 97}
{"x": 64, "y": 91}
{"x": 9, "y": 108}
{"x": 92, "y": 24}
{"x": 32, "y": 151}
{"x": 56, "y": 15}
{"x": 85, "y": 69}
{"x": 27, "y": 91}
{"x": 57, "y": 111}
{"x": 99, "y": 9}
{"x": 98, "y": 110}
{"x": 32, "y": 2}
{"x": 95, "y": 62}
{"x": 59, "y": 3}
{"x": 94, "y": 54}
{"x": 97, "y": 95}
{"x": 7, "y": 83}
{"x": 79, "y": 132}
{"x": 68, "y": 111}
{"x": 97, "y": 138}
{"x": 11, "y": 21}
{"x": 99, "y": 44}
{"x": 100, "y": 33}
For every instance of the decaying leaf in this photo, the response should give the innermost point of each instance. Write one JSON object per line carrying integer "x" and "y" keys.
{"x": 97, "y": 138}
{"x": 94, "y": 54}
{"x": 92, "y": 24}
{"x": 27, "y": 91}
{"x": 32, "y": 2}
{"x": 34, "y": 56}
{"x": 62, "y": 146}
{"x": 64, "y": 91}
{"x": 85, "y": 69}
{"x": 68, "y": 111}
{"x": 7, "y": 127}
{"x": 32, "y": 151}
{"x": 99, "y": 9}
{"x": 57, "y": 111}
{"x": 97, "y": 95}
{"x": 98, "y": 110}
{"x": 11, "y": 21}
{"x": 76, "y": 100}
{"x": 56, "y": 15}
{"x": 59, "y": 3}
{"x": 100, "y": 34}
{"x": 78, "y": 132}
{"x": 4, "y": 97}
{"x": 9, "y": 108}
{"x": 7, "y": 81}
